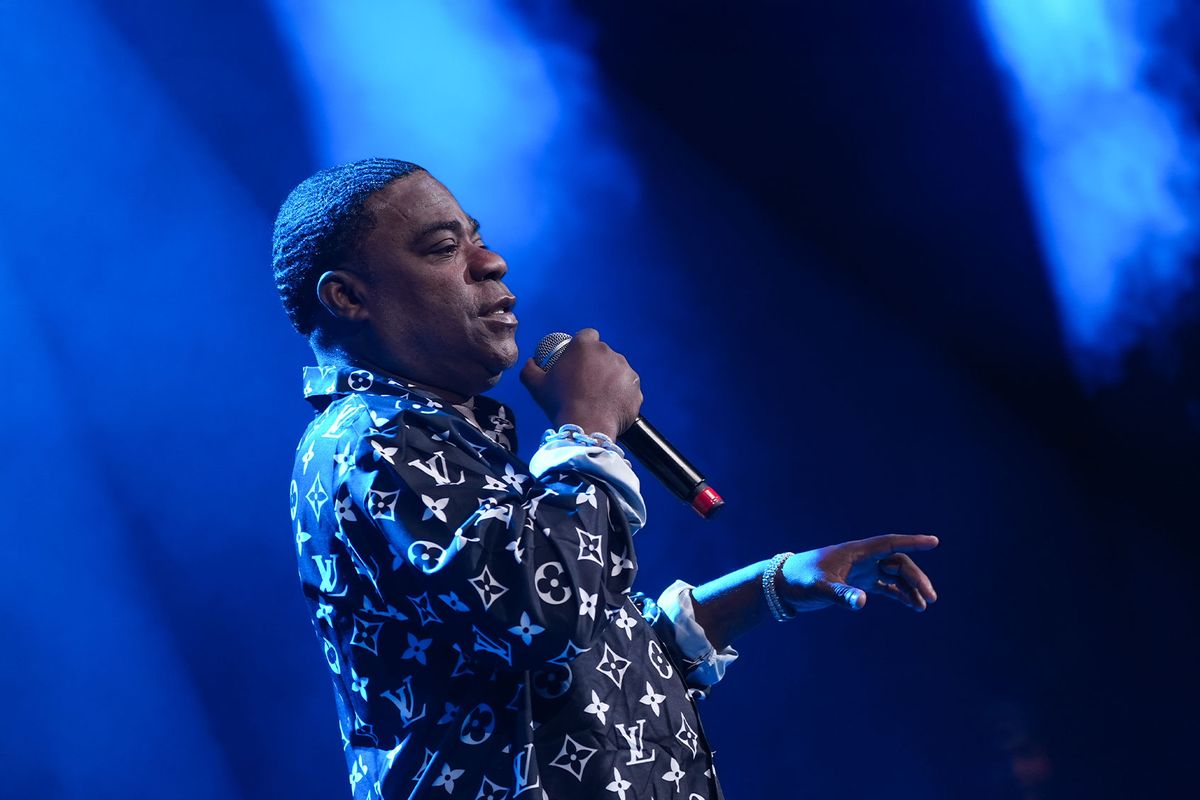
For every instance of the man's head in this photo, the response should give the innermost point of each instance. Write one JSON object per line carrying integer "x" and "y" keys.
{"x": 376, "y": 260}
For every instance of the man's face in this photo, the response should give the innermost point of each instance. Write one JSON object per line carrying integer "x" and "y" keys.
{"x": 438, "y": 312}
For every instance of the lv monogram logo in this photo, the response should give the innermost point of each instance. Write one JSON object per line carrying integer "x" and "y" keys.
{"x": 435, "y": 467}
{"x": 521, "y": 771}
{"x": 404, "y": 700}
{"x": 637, "y": 747}
{"x": 329, "y": 575}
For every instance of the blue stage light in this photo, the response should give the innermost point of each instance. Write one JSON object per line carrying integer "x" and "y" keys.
{"x": 1109, "y": 162}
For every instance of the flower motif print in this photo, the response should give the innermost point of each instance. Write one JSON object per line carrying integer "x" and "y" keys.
{"x": 587, "y": 496}
{"x": 488, "y": 587}
{"x": 674, "y": 775}
{"x": 424, "y": 609}
{"x": 620, "y": 563}
{"x": 597, "y": 708}
{"x": 618, "y": 785}
{"x": 357, "y": 684}
{"x": 478, "y": 725}
{"x": 434, "y": 508}
{"x": 626, "y": 622}
{"x": 316, "y": 496}
{"x": 613, "y": 666}
{"x": 526, "y": 629}
{"x": 425, "y": 556}
{"x": 360, "y": 380}
{"x": 589, "y": 546}
{"x": 658, "y": 660}
{"x": 513, "y": 478}
{"x": 587, "y": 603}
{"x": 382, "y": 504}
{"x": 447, "y": 778}
{"x": 573, "y": 757}
{"x": 344, "y": 509}
{"x": 652, "y": 698}
{"x": 454, "y": 602}
{"x": 491, "y": 791}
{"x": 551, "y": 583}
{"x": 686, "y": 735}
{"x": 384, "y": 452}
{"x": 552, "y": 681}
{"x": 416, "y": 648}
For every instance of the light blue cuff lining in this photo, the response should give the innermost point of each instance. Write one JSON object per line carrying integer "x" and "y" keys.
{"x": 596, "y": 458}
{"x": 706, "y": 665}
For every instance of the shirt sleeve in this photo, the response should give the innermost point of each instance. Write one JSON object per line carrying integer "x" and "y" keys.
{"x": 674, "y": 620}
{"x": 571, "y": 450}
{"x": 516, "y": 568}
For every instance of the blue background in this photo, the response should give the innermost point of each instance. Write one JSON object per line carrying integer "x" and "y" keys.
{"x": 882, "y": 268}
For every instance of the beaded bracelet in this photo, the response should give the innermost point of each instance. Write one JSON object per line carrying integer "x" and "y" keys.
{"x": 778, "y": 609}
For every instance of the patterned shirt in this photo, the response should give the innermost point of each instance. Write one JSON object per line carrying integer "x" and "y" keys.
{"x": 477, "y": 617}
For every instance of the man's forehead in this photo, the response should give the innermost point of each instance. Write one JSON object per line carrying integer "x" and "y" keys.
{"x": 413, "y": 202}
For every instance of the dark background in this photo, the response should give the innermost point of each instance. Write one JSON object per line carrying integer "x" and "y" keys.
{"x": 807, "y": 225}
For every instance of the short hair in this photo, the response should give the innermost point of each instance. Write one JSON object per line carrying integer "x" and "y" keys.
{"x": 321, "y": 225}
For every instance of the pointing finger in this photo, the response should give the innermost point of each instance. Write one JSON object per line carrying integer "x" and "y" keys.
{"x": 881, "y": 546}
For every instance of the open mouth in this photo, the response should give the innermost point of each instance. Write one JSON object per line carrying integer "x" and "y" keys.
{"x": 502, "y": 308}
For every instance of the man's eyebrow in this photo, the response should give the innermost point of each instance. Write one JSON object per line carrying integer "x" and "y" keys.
{"x": 452, "y": 225}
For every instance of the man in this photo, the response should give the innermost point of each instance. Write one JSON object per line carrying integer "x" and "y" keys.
{"x": 474, "y": 609}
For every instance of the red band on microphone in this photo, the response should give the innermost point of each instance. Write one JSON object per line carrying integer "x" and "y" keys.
{"x": 707, "y": 501}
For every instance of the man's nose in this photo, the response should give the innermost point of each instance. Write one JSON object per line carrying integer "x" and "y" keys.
{"x": 487, "y": 264}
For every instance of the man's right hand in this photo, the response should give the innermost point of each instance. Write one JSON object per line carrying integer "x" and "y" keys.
{"x": 591, "y": 385}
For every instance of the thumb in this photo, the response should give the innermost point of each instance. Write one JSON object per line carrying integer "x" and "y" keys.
{"x": 846, "y": 596}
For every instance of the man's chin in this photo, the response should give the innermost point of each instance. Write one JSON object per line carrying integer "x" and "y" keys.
{"x": 497, "y": 365}
{"x": 499, "y": 370}
{"x": 506, "y": 358}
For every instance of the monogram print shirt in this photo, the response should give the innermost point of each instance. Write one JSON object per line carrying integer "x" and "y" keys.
{"x": 476, "y": 615}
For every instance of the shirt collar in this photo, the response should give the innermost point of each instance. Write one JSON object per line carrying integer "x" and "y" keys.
{"x": 324, "y": 384}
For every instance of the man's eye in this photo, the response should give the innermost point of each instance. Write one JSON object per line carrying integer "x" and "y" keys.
{"x": 447, "y": 250}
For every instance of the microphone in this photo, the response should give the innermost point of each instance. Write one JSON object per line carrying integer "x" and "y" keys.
{"x": 651, "y": 448}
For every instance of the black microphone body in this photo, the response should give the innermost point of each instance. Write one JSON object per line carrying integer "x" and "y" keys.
{"x": 648, "y": 445}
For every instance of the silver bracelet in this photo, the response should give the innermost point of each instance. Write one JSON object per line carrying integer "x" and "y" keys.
{"x": 779, "y": 611}
{"x": 574, "y": 433}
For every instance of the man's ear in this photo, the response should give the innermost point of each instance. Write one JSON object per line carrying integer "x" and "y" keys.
{"x": 343, "y": 294}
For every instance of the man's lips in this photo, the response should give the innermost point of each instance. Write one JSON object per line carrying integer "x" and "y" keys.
{"x": 501, "y": 307}
{"x": 500, "y": 312}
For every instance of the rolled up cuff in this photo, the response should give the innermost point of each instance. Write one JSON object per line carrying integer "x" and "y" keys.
{"x": 597, "y": 457}
{"x": 703, "y": 664}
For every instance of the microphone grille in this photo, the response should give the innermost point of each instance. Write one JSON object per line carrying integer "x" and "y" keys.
{"x": 549, "y": 349}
